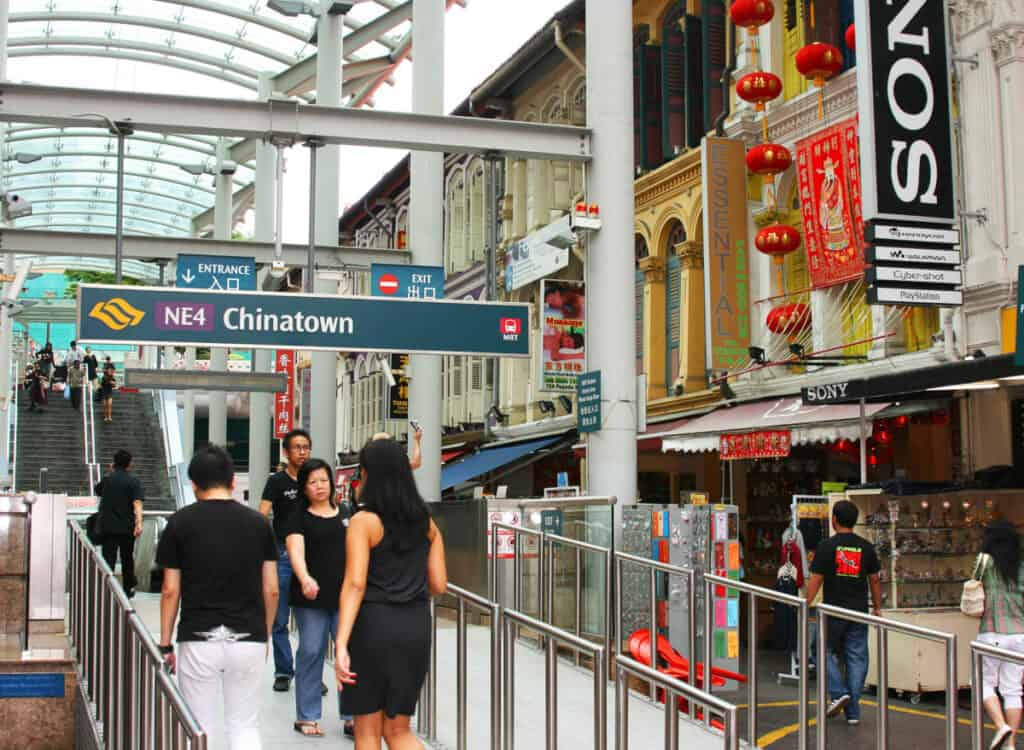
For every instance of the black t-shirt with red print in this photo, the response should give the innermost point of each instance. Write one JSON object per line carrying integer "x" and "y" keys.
{"x": 846, "y": 561}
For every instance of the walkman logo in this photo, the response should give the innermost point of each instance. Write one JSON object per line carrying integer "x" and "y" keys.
{"x": 116, "y": 314}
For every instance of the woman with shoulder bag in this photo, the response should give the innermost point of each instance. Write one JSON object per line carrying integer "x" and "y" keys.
{"x": 1001, "y": 573}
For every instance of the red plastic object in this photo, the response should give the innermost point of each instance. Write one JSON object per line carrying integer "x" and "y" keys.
{"x": 678, "y": 665}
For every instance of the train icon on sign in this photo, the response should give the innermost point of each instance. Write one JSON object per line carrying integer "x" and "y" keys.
{"x": 511, "y": 328}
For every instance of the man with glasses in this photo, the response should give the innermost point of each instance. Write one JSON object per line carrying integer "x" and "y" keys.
{"x": 282, "y": 496}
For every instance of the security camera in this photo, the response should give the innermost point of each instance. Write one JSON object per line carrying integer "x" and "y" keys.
{"x": 16, "y": 206}
{"x": 228, "y": 167}
{"x": 385, "y": 367}
{"x": 278, "y": 269}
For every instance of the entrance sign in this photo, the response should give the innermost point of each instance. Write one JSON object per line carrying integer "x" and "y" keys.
{"x": 407, "y": 282}
{"x": 588, "y": 401}
{"x": 726, "y": 274}
{"x": 147, "y": 315}
{"x": 903, "y": 98}
{"x": 219, "y": 272}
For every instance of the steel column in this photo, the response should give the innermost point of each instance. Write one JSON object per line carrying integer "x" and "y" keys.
{"x": 261, "y": 405}
{"x": 426, "y": 232}
{"x": 218, "y": 413}
{"x": 323, "y": 421}
{"x": 120, "y": 132}
{"x": 611, "y": 457}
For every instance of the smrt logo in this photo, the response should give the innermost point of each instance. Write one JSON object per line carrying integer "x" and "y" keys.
{"x": 511, "y": 328}
{"x": 116, "y": 314}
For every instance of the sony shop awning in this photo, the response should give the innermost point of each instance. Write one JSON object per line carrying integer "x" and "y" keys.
{"x": 807, "y": 424}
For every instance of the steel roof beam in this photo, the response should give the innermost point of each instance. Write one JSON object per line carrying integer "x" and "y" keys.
{"x": 128, "y": 157}
{"x": 102, "y": 186}
{"x": 80, "y": 132}
{"x": 201, "y": 148}
{"x": 106, "y": 202}
{"x": 163, "y": 113}
{"x": 71, "y": 228}
{"x": 90, "y": 244}
{"x": 184, "y": 227}
{"x": 241, "y": 201}
{"x": 111, "y": 188}
{"x": 301, "y": 78}
{"x": 153, "y": 23}
{"x": 242, "y": 14}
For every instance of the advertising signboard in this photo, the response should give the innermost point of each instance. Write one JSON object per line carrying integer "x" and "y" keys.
{"x": 284, "y": 402}
{"x": 398, "y": 394}
{"x": 538, "y": 255}
{"x": 726, "y": 275}
{"x": 564, "y": 348}
{"x": 147, "y": 315}
{"x": 588, "y": 401}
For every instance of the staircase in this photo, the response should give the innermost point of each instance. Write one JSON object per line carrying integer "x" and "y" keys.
{"x": 53, "y": 439}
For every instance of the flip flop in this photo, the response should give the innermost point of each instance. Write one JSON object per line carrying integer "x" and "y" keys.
{"x": 302, "y": 726}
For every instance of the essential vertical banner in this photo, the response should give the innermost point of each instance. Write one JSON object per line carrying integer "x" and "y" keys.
{"x": 903, "y": 97}
{"x": 727, "y": 275}
{"x": 284, "y": 402}
{"x": 564, "y": 351}
{"x": 828, "y": 171}
{"x": 398, "y": 394}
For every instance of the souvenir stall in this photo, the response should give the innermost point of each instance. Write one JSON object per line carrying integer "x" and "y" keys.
{"x": 928, "y": 544}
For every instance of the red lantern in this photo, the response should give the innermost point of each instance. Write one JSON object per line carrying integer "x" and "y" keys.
{"x": 777, "y": 240}
{"x": 789, "y": 320}
{"x": 751, "y": 13}
{"x": 768, "y": 160}
{"x": 819, "y": 62}
{"x": 758, "y": 88}
{"x": 851, "y": 38}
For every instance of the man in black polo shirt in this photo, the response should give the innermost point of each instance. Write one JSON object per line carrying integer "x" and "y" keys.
{"x": 281, "y": 495}
{"x": 120, "y": 517}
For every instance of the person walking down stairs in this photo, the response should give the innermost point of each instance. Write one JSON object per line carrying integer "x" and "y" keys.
{"x": 76, "y": 377}
{"x": 107, "y": 385}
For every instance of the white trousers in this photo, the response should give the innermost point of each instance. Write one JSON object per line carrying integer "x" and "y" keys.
{"x": 206, "y": 668}
{"x": 1002, "y": 674}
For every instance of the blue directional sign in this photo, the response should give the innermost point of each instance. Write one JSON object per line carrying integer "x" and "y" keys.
{"x": 157, "y": 315}
{"x": 406, "y": 282}
{"x": 220, "y": 272}
{"x": 588, "y": 401}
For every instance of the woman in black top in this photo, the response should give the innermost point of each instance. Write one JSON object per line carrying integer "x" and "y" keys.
{"x": 395, "y": 561}
{"x": 316, "y": 548}
{"x": 45, "y": 359}
{"x": 107, "y": 384}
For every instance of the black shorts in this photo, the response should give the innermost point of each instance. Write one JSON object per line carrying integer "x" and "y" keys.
{"x": 390, "y": 652}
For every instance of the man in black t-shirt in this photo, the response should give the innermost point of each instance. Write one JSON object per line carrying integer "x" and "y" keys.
{"x": 220, "y": 564}
{"x": 281, "y": 496}
{"x": 846, "y": 564}
{"x": 120, "y": 517}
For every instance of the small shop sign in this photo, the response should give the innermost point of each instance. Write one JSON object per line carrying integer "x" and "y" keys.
{"x": 760, "y": 444}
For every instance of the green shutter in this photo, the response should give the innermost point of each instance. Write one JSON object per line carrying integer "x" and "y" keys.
{"x": 673, "y": 82}
{"x": 695, "y": 88}
{"x": 673, "y": 299}
{"x": 639, "y": 301}
{"x": 714, "y": 55}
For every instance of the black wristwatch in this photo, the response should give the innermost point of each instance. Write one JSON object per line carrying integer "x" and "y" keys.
{"x": 166, "y": 649}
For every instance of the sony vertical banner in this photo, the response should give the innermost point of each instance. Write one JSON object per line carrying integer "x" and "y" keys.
{"x": 903, "y": 97}
{"x": 726, "y": 274}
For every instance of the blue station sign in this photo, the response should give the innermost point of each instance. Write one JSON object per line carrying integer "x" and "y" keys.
{"x": 157, "y": 315}
{"x": 406, "y": 282}
{"x": 218, "y": 272}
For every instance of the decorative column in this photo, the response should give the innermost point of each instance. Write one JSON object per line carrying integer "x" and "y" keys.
{"x": 653, "y": 268}
{"x": 692, "y": 341}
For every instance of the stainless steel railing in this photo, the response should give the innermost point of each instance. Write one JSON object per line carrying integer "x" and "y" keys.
{"x": 673, "y": 689}
{"x": 13, "y": 436}
{"x": 884, "y": 627}
{"x": 550, "y": 542}
{"x": 654, "y": 567}
{"x": 803, "y": 645}
{"x": 518, "y": 534}
{"x": 120, "y": 668}
{"x": 978, "y": 652}
{"x": 510, "y": 621}
{"x": 92, "y": 465}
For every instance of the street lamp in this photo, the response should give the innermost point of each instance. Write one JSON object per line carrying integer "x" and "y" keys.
{"x": 293, "y": 8}
{"x": 25, "y": 158}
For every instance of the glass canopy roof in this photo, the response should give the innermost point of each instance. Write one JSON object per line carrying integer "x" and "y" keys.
{"x": 213, "y": 48}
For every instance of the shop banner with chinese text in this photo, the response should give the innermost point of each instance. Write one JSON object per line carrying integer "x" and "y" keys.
{"x": 284, "y": 402}
{"x": 760, "y": 444}
{"x": 828, "y": 171}
{"x": 564, "y": 352}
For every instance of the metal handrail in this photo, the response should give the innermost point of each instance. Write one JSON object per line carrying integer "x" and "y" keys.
{"x": 120, "y": 668}
{"x": 510, "y": 619}
{"x": 672, "y": 688}
{"x": 517, "y": 561}
{"x": 803, "y": 645}
{"x": 13, "y": 437}
{"x": 978, "y": 650}
{"x": 548, "y": 551}
{"x": 654, "y": 566}
{"x": 884, "y": 627}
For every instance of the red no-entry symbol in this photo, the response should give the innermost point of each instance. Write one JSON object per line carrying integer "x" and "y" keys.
{"x": 388, "y": 284}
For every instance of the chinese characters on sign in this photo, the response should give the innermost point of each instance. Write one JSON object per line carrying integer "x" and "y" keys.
{"x": 761, "y": 444}
{"x": 564, "y": 354}
{"x": 830, "y": 201}
{"x": 588, "y": 401}
{"x": 284, "y": 403}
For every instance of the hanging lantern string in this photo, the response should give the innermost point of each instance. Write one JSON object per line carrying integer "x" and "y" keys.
{"x": 811, "y": 6}
{"x": 752, "y": 43}
{"x": 764, "y": 126}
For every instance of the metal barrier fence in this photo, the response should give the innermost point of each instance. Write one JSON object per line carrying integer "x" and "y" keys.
{"x": 883, "y": 626}
{"x": 518, "y": 532}
{"x": 803, "y": 644}
{"x": 673, "y": 689}
{"x": 510, "y": 619}
{"x": 654, "y": 567}
{"x": 120, "y": 668}
{"x": 978, "y": 651}
{"x": 548, "y": 543}
{"x": 426, "y": 711}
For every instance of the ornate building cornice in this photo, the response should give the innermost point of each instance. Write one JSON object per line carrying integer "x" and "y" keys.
{"x": 682, "y": 173}
{"x": 1008, "y": 44}
{"x": 653, "y": 268}
{"x": 969, "y": 15}
{"x": 691, "y": 254}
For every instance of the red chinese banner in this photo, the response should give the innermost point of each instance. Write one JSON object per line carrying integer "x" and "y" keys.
{"x": 761, "y": 444}
{"x": 284, "y": 402}
{"x": 828, "y": 170}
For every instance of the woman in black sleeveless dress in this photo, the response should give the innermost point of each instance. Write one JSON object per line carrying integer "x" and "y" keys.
{"x": 394, "y": 563}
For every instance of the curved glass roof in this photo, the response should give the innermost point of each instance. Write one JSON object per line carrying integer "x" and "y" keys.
{"x": 215, "y": 48}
